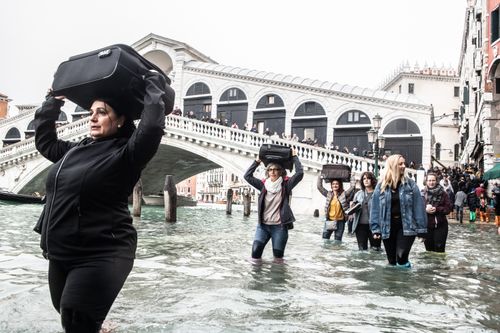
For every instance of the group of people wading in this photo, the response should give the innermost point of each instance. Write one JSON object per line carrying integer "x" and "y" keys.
{"x": 86, "y": 229}
{"x": 392, "y": 211}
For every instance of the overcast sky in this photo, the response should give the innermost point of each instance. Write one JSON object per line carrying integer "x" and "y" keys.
{"x": 351, "y": 42}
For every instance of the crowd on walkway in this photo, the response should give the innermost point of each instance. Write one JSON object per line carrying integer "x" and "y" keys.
{"x": 353, "y": 150}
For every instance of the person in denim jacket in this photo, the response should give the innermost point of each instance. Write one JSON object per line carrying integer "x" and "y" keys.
{"x": 275, "y": 214}
{"x": 397, "y": 212}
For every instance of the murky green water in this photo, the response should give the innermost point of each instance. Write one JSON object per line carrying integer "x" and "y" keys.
{"x": 193, "y": 276}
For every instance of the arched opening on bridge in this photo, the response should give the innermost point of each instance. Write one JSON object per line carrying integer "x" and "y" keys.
{"x": 62, "y": 120}
{"x": 270, "y": 113}
{"x": 79, "y": 113}
{"x": 233, "y": 107}
{"x": 199, "y": 100}
{"x": 160, "y": 59}
{"x": 30, "y": 130}
{"x": 310, "y": 122}
{"x": 350, "y": 131}
{"x": 402, "y": 136}
{"x": 13, "y": 136}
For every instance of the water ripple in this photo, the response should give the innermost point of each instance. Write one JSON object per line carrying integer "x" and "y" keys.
{"x": 194, "y": 276}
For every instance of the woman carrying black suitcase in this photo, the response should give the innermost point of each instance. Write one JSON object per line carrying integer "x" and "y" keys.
{"x": 275, "y": 214}
{"x": 86, "y": 227}
{"x": 336, "y": 204}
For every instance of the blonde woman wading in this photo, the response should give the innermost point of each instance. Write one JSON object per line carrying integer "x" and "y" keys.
{"x": 397, "y": 212}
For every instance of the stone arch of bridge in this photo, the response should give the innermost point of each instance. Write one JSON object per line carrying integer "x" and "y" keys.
{"x": 176, "y": 157}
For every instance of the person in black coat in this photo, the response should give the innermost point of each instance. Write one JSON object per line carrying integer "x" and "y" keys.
{"x": 86, "y": 228}
{"x": 275, "y": 214}
{"x": 473, "y": 204}
{"x": 438, "y": 205}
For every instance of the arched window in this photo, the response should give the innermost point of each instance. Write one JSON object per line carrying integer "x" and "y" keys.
{"x": 62, "y": 117}
{"x": 233, "y": 107}
{"x": 402, "y": 136}
{"x": 352, "y": 137}
{"x": 401, "y": 126}
{"x": 233, "y": 94}
{"x": 270, "y": 101}
{"x": 30, "y": 130}
{"x": 353, "y": 117}
{"x": 199, "y": 88}
{"x": 198, "y": 101}
{"x": 31, "y": 126}
{"x": 79, "y": 113}
{"x": 308, "y": 109}
{"x": 309, "y": 123}
{"x": 13, "y": 136}
{"x": 270, "y": 114}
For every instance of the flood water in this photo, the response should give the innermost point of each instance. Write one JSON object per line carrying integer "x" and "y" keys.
{"x": 194, "y": 276}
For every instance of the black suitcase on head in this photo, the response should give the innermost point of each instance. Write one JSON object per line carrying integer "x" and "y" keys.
{"x": 115, "y": 73}
{"x": 336, "y": 171}
{"x": 271, "y": 153}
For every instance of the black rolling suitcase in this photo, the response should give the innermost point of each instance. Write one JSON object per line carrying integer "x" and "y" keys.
{"x": 114, "y": 72}
{"x": 271, "y": 153}
{"x": 336, "y": 171}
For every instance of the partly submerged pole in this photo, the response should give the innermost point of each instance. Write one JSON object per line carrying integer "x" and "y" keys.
{"x": 137, "y": 199}
{"x": 247, "y": 202}
{"x": 229, "y": 202}
{"x": 170, "y": 199}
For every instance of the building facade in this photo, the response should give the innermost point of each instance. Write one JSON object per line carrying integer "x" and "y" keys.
{"x": 439, "y": 88}
{"x": 479, "y": 107}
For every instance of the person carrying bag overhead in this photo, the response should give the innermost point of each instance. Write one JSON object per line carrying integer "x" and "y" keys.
{"x": 275, "y": 215}
{"x": 86, "y": 228}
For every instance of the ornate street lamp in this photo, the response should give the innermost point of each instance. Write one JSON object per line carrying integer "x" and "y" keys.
{"x": 376, "y": 141}
{"x": 377, "y": 122}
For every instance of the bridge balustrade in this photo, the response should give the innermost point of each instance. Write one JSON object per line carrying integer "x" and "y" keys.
{"x": 312, "y": 157}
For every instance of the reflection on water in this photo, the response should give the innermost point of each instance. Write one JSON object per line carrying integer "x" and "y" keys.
{"x": 194, "y": 276}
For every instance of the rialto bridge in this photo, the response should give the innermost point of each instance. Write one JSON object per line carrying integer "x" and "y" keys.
{"x": 324, "y": 111}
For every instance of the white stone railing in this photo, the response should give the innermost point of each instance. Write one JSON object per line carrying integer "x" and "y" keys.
{"x": 312, "y": 157}
{"x": 26, "y": 148}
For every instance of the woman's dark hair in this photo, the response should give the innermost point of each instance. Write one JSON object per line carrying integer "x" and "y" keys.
{"x": 371, "y": 177}
{"x": 341, "y": 185}
{"x": 128, "y": 127}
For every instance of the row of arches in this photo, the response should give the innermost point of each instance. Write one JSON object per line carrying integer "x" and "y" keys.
{"x": 14, "y": 135}
{"x": 309, "y": 120}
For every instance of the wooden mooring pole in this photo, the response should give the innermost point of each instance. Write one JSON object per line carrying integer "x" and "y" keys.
{"x": 170, "y": 199}
{"x": 247, "y": 202}
{"x": 229, "y": 203}
{"x": 137, "y": 199}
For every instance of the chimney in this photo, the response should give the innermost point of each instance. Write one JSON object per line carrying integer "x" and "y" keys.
{"x": 4, "y": 105}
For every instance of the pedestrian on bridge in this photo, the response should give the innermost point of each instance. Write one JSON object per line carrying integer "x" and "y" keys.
{"x": 86, "y": 227}
{"x": 275, "y": 215}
